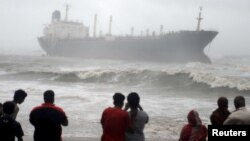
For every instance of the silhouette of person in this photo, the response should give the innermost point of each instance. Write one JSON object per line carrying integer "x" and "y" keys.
{"x": 19, "y": 97}
{"x": 221, "y": 113}
{"x": 9, "y": 127}
{"x": 1, "y": 109}
{"x": 138, "y": 118}
{"x": 241, "y": 115}
{"x": 194, "y": 130}
{"x": 114, "y": 120}
{"x": 47, "y": 119}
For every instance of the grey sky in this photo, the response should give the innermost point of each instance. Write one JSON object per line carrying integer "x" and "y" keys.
{"x": 22, "y": 21}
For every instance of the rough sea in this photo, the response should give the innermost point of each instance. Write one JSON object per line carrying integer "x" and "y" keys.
{"x": 84, "y": 88}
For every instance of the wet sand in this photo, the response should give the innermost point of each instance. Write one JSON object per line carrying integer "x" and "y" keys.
{"x": 30, "y": 138}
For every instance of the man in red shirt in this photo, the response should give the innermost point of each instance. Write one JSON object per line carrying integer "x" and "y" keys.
{"x": 114, "y": 120}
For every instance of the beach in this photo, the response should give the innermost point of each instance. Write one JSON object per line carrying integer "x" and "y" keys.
{"x": 29, "y": 138}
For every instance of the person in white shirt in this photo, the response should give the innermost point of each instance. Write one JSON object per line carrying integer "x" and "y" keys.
{"x": 241, "y": 116}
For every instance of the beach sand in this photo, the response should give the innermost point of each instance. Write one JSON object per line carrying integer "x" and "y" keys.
{"x": 30, "y": 138}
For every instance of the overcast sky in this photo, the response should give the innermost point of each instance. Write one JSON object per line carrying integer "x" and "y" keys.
{"x": 22, "y": 21}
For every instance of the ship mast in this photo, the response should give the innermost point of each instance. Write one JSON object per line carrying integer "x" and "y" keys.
{"x": 94, "y": 30}
{"x": 66, "y": 12}
{"x": 110, "y": 24}
{"x": 199, "y": 20}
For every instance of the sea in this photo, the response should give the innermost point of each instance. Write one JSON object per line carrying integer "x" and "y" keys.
{"x": 84, "y": 88}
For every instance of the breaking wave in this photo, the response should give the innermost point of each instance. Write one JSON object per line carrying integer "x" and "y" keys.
{"x": 165, "y": 78}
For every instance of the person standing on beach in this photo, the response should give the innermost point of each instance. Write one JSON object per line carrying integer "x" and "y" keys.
{"x": 9, "y": 127}
{"x": 19, "y": 97}
{"x": 194, "y": 130}
{"x": 221, "y": 113}
{"x": 47, "y": 119}
{"x": 241, "y": 116}
{"x": 114, "y": 120}
{"x": 138, "y": 118}
{"x": 1, "y": 109}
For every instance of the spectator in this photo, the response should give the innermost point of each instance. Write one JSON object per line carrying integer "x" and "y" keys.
{"x": 47, "y": 119}
{"x": 9, "y": 127}
{"x": 1, "y": 109}
{"x": 19, "y": 97}
{"x": 138, "y": 118}
{"x": 241, "y": 115}
{"x": 114, "y": 120}
{"x": 221, "y": 113}
{"x": 194, "y": 130}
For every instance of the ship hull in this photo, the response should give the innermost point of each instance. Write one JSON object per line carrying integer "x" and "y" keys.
{"x": 184, "y": 46}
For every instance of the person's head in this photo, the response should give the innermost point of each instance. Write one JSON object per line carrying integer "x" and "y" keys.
{"x": 193, "y": 118}
{"x": 8, "y": 107}
{"x": 133, "y": 100}
{"x": 239, "y": 101}
{"x": 48, "y": 96}
{"x": 1, "y": 106}
{"x": 19, "y": 96}
{"x": 118, "y": 99}
{"x": 222, "y": 102}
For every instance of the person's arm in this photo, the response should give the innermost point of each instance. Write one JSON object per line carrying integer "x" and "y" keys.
{"x": 185, "y": 133}
{"x": 18, "y": 131}
{"x": 19, "y": 139}
{"x": 126, "y": 107}
{"x": 65, "y": 121}
{"x": 140, "y": 108}
{"x": 128, "y": 122}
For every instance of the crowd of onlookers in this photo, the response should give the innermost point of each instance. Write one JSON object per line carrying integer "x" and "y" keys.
{"x": 121, "y": 122}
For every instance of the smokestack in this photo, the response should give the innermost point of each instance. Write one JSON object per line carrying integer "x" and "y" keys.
{"x": 147, "y": 32}
{"x": 110, "y": 23}
{"x": 66, "y": 12}
{"x": 132, "y": 31}
{"x": 94, "y": 30}
{"x": 161, "y": 30}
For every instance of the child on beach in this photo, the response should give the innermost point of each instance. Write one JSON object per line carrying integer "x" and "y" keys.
{"x": 9, "y": 127}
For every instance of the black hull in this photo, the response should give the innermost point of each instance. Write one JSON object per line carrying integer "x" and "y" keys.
{"x": 184, "y": 46}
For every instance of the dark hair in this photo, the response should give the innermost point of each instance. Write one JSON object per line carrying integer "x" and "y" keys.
{"x": 222, "y": 102}
{"x": 118, "y": 99}
{"x": 8, "y": 107}
{"x": 19, "y": 94}
{"x": 48, "y": 96}
{"x": 133, "y": 100}
{"x": 239, "y": 101}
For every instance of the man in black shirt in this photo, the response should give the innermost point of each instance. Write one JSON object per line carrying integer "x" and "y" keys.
{"x": 47, "y": 119}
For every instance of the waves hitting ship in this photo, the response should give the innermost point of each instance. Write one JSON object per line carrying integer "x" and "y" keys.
{"x": 71, "y": 39}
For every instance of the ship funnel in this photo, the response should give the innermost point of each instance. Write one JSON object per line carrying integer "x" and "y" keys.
{"x": 56, "y": 16}
{"x": 94, "y": 30}
{"x": 199, "y": 20}
{"x": 110, "y": 24}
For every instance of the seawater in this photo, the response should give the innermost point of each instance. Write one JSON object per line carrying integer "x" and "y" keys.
{"x": 84, "y": 88}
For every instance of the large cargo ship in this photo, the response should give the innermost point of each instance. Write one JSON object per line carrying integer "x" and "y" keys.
{"x": 71, "y": 39}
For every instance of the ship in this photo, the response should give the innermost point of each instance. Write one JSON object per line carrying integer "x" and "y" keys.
{"x": 66, "y": 38}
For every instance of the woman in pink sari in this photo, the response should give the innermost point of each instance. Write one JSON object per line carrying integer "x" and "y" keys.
{"x": 194, "y": 130}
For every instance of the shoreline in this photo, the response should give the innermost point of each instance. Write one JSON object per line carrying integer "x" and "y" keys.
{"x": 30, "y": 138}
